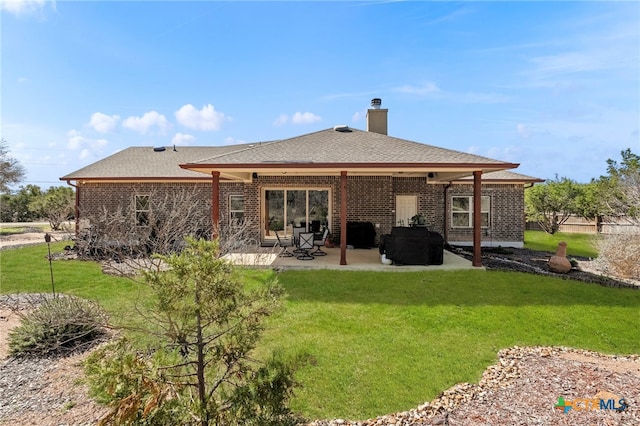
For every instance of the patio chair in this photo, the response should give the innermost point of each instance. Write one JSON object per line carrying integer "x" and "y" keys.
{"x": 306, "y": 244}
{"x": 297, "y": 230}
{"x": 285, "y": 244}
{"x": 320, "y": 243}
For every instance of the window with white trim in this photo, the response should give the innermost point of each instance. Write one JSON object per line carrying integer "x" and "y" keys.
{"x": 142, "y": 210}
{"x": 462, "y": 211}
{"x": 236, "y": 208}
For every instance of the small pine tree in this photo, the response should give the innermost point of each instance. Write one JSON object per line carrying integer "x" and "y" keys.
{"x": 204, "y": 322}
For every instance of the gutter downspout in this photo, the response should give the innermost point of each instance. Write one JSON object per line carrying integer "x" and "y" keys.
{"x": 446, "y": 213}
{"x": 215, "y": 204}
{"x": 76, "y": 212}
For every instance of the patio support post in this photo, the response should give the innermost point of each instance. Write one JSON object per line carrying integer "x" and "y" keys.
{"x": 343, "y": 217}
{"x": 477, "y": 218}
{"x": 215, "y": 204}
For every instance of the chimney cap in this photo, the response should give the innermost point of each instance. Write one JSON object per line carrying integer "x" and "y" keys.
{"x": 375, "y": 103}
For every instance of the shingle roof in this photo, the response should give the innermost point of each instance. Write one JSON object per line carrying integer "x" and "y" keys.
{"x": 146, "y": 162}
{"x": 327, "y": 147}
{"x": 504, "y": 175}
{"x": 354, "y": 146}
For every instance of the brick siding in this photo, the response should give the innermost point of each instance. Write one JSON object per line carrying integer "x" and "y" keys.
{"x": 506, "y": 216}
{"x": 369, "y": 198}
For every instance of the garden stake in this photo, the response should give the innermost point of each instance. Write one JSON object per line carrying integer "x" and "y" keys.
{"x": 47, "y": 238}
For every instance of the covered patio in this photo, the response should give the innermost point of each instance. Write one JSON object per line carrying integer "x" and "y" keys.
{"x": 359, "y": 260}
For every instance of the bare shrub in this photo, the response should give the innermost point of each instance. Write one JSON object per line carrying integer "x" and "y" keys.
{"x": 619, "y": 255}
{"x": 123, "y": 231}
{"x": 126, "y": 241}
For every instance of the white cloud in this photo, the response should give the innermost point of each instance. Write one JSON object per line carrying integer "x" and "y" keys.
{"x": 145, "y": 123}
{"x": 305, "y": 118}
{"x": 358, "y": 116}
{"x": 606, "y": 43}
{"x": 425, "y": 89}
{"x": 232, "y": 141}
{"x": 297, "y": 118}
{"x": 523, "y": 131}
{"x": 25, "y": 7}
{"x": 84, "y": 154}
{"x": 502, "y": 153}
{"x": 573, "y": 62}
{"x": 506, "y": 153}
{"x": 281, "y": 120}
{"x": 473, "y": 149}
{"x": 182, "y": 139}
{"x": 207, "y": 118}
{"x": 76, "y": 141}
{"x": 103, "y": 123}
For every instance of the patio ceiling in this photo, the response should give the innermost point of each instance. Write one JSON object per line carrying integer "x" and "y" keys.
{"x": 433, "y": 173}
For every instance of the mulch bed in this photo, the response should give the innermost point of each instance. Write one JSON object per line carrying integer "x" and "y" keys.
{"x": 531, "y": 261}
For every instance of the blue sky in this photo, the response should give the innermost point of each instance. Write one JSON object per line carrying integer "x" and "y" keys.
{"x": 554, "y": 86}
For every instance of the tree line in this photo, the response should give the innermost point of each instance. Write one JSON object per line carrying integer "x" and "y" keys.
{"x": 30, "y": 203}
{"x": 616, "y": 194}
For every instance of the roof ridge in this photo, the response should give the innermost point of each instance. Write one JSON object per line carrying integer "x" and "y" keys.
{"x": 245, "y": 147}
{"x": 256, "y": 145}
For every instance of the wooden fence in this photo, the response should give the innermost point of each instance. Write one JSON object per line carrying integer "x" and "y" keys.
{"x": 580, "y": 225}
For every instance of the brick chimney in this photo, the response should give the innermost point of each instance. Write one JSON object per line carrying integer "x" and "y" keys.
{"x": 376, "y": 117}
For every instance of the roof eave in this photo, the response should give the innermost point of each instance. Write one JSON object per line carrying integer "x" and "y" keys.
{"x": 332, "y": 167}
{"x": 133, "y": 179}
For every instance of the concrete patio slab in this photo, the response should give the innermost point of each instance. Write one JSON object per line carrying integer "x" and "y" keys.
{"x": 357, "y": 259}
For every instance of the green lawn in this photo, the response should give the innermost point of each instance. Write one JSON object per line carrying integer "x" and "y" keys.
{"x": 8, "y": 229}
{"x": 26, "y": 270}
{"x": 577, "y": 244}
{"x": 386, "y": 342}
{"x": 382, "y": 342}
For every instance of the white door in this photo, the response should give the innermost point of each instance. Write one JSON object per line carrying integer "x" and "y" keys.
{"x": 406, "y": 208}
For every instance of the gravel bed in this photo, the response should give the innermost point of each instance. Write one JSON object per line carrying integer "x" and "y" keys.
{"x": 47, "y": 391}
{"x": 22, "y": 385}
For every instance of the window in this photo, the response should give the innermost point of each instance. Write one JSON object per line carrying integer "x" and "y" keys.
{"x": 462, "y": 211}
{"x": 236, "y": 208}
{"x": 142, "y": 210}
{"x": 284, "y": 209}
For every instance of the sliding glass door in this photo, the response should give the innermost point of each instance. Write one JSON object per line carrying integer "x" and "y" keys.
{"x": 284, "y": 209}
